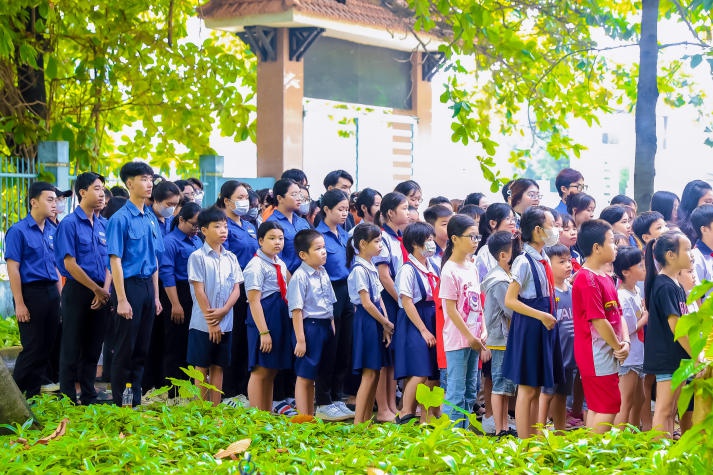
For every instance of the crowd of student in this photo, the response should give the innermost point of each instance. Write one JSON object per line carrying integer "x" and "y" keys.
{"x": 315, "y": 305}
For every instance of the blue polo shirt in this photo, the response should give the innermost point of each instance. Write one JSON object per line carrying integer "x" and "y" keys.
{"x": 288, "y": 254}
{"x": 174, "y": 259}
{"x": 78, "y": 238}
{"x": 336, "y": 252}
{"x": 134, "y": 237}
{"x": 33, "y": 249}
{"x": 242, "y": 241}
{"x": 164, "y": 226}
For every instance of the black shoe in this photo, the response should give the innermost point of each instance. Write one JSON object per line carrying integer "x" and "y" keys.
{"x": 512, "y": 432}
{"x": 405, "y": 418}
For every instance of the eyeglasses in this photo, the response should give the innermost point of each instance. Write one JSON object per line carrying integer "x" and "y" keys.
{"x": 473, "y": 237}
{"x": 579, "y": 186}
{"x": 296, "y": 195}
{"x": 534, "y": 195}
{"x": 195, "y": 225}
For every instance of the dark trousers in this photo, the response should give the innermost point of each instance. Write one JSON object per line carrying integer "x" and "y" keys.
{"x": 132, "y": 337}
{"x": 175, "y": 335}
{"x": 236, "y": 376}
{"x": 153, "y": 369}
{"x": 37, "y": 336}
{"x": 82, "y": 337}
{"x": 337, "y": 356}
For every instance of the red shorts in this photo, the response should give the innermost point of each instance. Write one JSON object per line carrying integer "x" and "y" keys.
{"x": 602, "y": 393}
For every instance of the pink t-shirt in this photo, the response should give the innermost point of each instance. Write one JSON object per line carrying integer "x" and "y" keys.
{"x": 461, "y": 283}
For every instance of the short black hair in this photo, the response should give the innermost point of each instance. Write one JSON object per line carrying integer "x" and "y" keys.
{"x": 500, "y": 241}
{"x": 304, "y": 239}
{"x": 472, "y": 210}
{"x": 294, "y": 174}
{"x": 579, "y": 202}
{"x": 182, "y": 184}
{"x": 473, "y": 199}
{"x": 132, "y": 169}
{"x": 333, "y": 177}
{"x": 590, "y": 233}
{"x": 613, "y": 214}
{"x": 36, "y": 190}
{"x": 435, "y": 212}
{"x": 701, "y": 216}
{"x": 623, "y": 200}
{"x": 164, "y": 190}
{"x": 211, "y": 215}
{"x": 416, "y": 234}
{"x": 565, "y": 178}
{"x": 119, "y": 191}
{"x": 84, "y": 181}
{"x": 195, "y": 182}
{"x": 439, "y": 200}
{"x": 114, "y": 205}
{"x": 642, "y": 223}
{"x": 267, "y": 226}
{"x": 626, "y": 257}
{"x": 558, "y": 250}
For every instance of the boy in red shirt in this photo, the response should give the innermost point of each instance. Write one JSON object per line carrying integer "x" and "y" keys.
{"x": 600, "y": 334}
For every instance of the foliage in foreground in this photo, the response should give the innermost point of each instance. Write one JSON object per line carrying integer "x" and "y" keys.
{"x": 9, "y": 332}
{"x": 160, "y": 438}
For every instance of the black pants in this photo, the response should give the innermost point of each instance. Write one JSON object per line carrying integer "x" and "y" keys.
{"x": 37, "y": 336}
{"x": 132, "y": 337}
{"x": 153, "y": 369}
{"x": 82, "y": 337}
{"x": 337, "y": 356}
{"x": 175, "y": 335}
{"x": 236, "y": 376}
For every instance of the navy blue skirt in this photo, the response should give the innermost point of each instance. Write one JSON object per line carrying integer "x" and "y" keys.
{"x": 368, "y": 350}
{"x": 278, "y": 322}
{"x": 412, "y": 356}
{"x": 392, "y": 312}
{"x": 532, "y": 355}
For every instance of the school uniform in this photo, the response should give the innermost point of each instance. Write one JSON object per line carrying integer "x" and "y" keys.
{"x": 336, "y": 368}
{"x": 533, "y": 356}
{"x": 219, "y": 272}
{"x": 311, "y": 291}
{"x": 33, "y": 249}
{"x": 269, "y": 277}
{"x": 368, "y": 350}
{"x": 83, "y": 328}
{"x": 290, "y": 229}
{"x": 703, "y": 261}
{"x": 412, "y": 356}
{"x": 173, "y": 272}
{"x": 242, "y": 241}
{"x": 133, "y": 236}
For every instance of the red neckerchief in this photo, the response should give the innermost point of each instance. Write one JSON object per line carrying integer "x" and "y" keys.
{"x": 280, "y": 279}
{"x": 399, "y": 237}
{"x": 550, "y": 283}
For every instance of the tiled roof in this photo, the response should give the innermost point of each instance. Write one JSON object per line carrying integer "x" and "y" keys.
{"x": 360, "y": 12}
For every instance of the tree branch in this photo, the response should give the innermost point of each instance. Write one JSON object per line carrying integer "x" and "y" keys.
{"x": 685, "y": 19}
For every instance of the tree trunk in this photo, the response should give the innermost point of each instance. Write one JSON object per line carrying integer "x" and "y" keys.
{"x": 647, "y": 96}
{"x": 13, "y": 406}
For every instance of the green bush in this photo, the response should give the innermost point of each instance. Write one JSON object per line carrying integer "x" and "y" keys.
{"x": 9, "y": 333}
{"x": 184, "y": 439}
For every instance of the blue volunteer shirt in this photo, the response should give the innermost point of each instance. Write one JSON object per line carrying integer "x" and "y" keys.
{"x": 288, "y": 254}
{"x": 336, "y": 264}
{"x": 33, "y": 248}
{"x": 134, "y": 237}
{"x": 178, "y": 247}
{"x": 164, "y": 226}
{"x": 242, "y": 241}
{"x": 77, "y": 237}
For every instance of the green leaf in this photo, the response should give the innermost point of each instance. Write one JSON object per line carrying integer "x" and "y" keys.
{"x": 430, "y": 397}
{"x": 51, "y": 68}
{"x": 684, "y": 399}
{"x": 696, "y": 60}
{"x": 699, "y": 291}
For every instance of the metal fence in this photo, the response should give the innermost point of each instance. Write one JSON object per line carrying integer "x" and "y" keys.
{"x": 16, "y": 176}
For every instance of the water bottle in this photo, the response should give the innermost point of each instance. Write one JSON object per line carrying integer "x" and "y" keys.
{"x": 127, "y": 398}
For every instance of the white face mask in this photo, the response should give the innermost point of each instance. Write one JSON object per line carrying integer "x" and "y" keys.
{"x": 552, "y": 236}
{"x": 304, "y": 208}
{"x": 252, "y": 214}
{"x": 61, "y": 206}
{"x": 429, "y": 249}
{"x": 241, "y": 207}
{"x": 167, "y": 211}
{"x": 198, "y": 198}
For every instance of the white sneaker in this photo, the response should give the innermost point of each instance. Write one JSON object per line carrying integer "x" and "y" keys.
{"x": 488, "y": 425}
{"x": 331, "y": 412}
{"x": 49, "y": 388}
{"x": 237, "y": 401}
{"x": 345, "y": 410}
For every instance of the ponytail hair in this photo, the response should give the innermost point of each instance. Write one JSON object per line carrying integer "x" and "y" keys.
{"x": 532, "y": 217}
{"x": 331, "y": 199}
{"x": 389, "y": 202}
{"x": 188, "y": 211}
{"x": 497, "y": 212}
{"x": 457, "y": 225}
{"x": 656, "y": 250}
{"x": 362, "y": 232}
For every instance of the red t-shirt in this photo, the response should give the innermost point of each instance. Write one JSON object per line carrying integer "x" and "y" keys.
{"x": 594, "y": 296}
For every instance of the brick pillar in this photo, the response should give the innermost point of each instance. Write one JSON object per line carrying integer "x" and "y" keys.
{"x": 280, "y": 89}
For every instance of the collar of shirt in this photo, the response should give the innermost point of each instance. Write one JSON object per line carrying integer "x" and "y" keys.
{"x": 133, "y": 209}
{"x": 310, "y": 271}
{"x": 388, "y": 230}
{"x": 531, "y": 250}
{"x": 81, "y": 214}
{"x": 703, "y": 247}
{"x": 209, "y": 250}
{"x": 267, "y": 258}
{"x": 368, "y": 264}
{"x": 31, "y": 222}
{"x": 342, "y": 237}
{"x": 426, "y": 270}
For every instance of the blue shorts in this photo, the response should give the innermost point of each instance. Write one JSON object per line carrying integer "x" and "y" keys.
{"x": 318, "y": 333}
{"x": 638, "y": 369}
{"x": 204, "y": 353}
{"x": 501, "y": 385}
{"x": 662, "y": 378}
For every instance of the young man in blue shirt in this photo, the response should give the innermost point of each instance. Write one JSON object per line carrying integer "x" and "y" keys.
{"x": 35, "y": 286}
{"x": 80, "y": 253}
{"x": 134, "y": 242}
